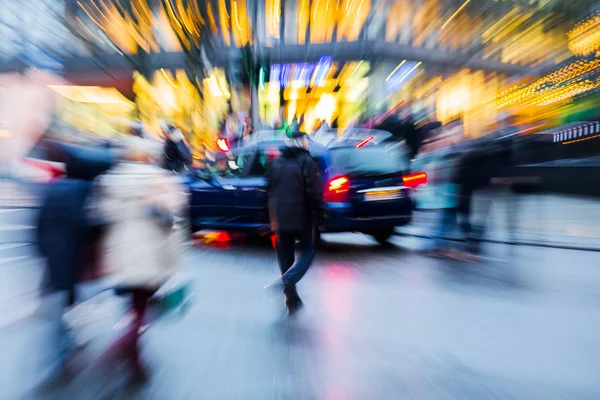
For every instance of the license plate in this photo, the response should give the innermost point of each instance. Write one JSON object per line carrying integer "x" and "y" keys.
{"x": 382, "y": 195}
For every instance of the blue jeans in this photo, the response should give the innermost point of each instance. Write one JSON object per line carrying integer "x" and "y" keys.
{"x": 292, "y": 268}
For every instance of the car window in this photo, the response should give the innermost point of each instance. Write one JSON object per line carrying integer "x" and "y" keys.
{"x": 369, "y": 160}
{"x": 232, "y": 166}
{"x": 264, "y": 157}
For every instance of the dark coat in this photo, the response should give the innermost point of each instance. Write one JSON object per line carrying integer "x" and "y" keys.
{"x": 177, "y": 155}
{"x": 480, "y": 164}
{"x": 63, "y": 227}
{"x": 295, "y": 192}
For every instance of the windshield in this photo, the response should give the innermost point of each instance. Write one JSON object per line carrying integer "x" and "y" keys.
{"x": 374, "y": 160}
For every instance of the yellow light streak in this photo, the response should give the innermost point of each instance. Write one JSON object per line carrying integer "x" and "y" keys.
{"x": 172, "y": 13}
{"x": 581, "y": 140}
{"x": 356, "y": 70}
{"x": 275, "y": 13}
{"x": 349, "y": 7}
{"x": 190, "y": 14}
{"x": 359, "y": 7}
{"x": 125, "y": 13}
{"x": 455, "y": 14}
{"x": 147, "y": 12}
{"x": 196, "y": 12}
{"x": 225, "y": 9}
{"x": 409, "y": 72}
{"x": 394, "y": 71}
{"x": 315, "y": 12}
{"x": 235, "y": 12}
{"x": 138, "y": 14}
{"x": 108, "y": 9}
{"x": 167, "y": 77}
{"x": 103, "y": 16}
{"x": 88, "y": 29}
{"x": 90, "y": 16}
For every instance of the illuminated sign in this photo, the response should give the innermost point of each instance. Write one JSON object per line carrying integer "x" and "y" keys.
{"x": 301, "y": 74}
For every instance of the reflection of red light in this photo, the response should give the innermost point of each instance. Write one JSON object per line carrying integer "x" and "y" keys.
{"x": 223, "y": 237}
{"x": 414, "y": 180}
{"x": 223, "y": 144}
{"x": 365, "y": 141}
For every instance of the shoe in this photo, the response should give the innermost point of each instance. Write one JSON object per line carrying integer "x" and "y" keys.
{"x": 437, "y": 252}
{"x": 276, "y": 286}
{"x": 293, "y": 305}
{"x": 139, "y": 374}
{"x": 464, "y": 256}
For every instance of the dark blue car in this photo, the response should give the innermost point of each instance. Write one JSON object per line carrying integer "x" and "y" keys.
{"x": 364, "y": 173}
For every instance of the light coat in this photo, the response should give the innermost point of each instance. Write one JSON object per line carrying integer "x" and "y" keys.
{"x": 139, "y": 251}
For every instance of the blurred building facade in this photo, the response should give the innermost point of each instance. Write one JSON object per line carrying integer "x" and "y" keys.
{"x": 194, "y": 61}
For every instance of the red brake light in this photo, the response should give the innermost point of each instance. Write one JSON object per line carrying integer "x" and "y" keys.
{"x": 363, "y": 142}
{"x": 414, "y": 180}
{"x": 337, "y": 190}
{"x": 45, "y": 170}
{"x": 223, "y": 144}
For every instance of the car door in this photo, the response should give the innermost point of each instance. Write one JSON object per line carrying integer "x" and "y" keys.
{"x": 213, "y": 194}
{"x": 251, "y": 193}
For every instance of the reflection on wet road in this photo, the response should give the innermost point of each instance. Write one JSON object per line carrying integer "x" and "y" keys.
{"x": 379, "y": 323}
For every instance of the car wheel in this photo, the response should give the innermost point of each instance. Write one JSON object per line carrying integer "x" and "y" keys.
{"x": 383, "y": 236}
{"x": 317, "y": 236}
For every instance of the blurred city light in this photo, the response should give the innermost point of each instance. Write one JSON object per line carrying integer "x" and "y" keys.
{"x": 445, "y": 130}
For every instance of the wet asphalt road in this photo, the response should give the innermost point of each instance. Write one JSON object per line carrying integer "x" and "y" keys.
{"x": 379, "y": 323}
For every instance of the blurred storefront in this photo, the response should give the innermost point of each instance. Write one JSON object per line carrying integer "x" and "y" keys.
{"x": 171, "y": 96}
{"x": 93, "y": 109}
{"x": 333, "y": 93}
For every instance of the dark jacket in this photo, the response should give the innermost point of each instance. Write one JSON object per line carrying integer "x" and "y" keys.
{"x": 481, "y": 163}
{"x": 295, "y": 192}
{"x": 177, "y": 155}
{"x": 63, "y": 227}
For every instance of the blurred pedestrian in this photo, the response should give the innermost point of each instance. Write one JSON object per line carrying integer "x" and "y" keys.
{"x": 296, "y": 210}
{"x": 176, "y": 152}
{"x": 138, "y": 201}
{"x": 445, "y": 194}
{"x": 425, "y": 129}
{"x": 477, "y": 166}
{"x": 67, "y": 239}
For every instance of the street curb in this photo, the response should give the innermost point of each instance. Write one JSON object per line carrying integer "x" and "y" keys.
{"x": 515, "y": 243}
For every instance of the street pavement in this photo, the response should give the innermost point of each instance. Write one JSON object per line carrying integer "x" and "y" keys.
{"x": 536, "y": 219}
{"x": 379, "y": 323}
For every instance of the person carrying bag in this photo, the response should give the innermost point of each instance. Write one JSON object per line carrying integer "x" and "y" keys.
{"x": 139, "y": 203}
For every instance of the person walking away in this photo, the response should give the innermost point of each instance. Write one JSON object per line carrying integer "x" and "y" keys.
{"x": 139, "y": 201}
{"x": 296, "y": 211}
{"x": 474, "y": 173}
{"x": 176, "y": 152}
{"x": 446, "y": 200}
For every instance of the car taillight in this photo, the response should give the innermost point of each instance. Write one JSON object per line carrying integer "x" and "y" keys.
{"x": 364, "y": 142}
{"x": 223, "y": 144}
{"x": 337, "y": 190}
{"x": 414, "y": 180}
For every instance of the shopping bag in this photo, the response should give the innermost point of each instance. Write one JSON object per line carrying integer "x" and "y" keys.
{"x": 172, "y": 300}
